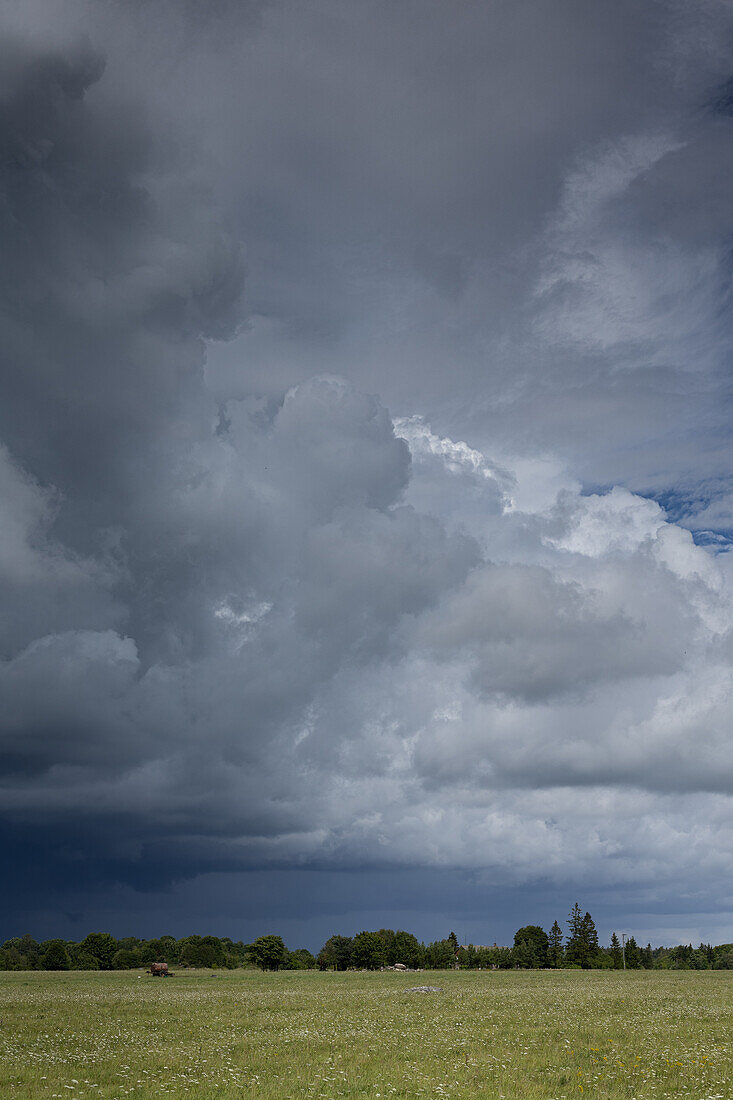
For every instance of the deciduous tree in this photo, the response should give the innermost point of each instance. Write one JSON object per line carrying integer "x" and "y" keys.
{"x": 55, "y": 956}
{"x": 301, "y": 959}
{"x": 536, "y": 939}
{"x": 367, "y": 952}
{"x": 407, "y": 949}
{"x": 335, "y": 953}
{"x": 268, "y": 952}
{"x": 102, "y": 946}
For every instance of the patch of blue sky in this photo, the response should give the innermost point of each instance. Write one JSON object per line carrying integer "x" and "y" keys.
{"x": 683, "y": 506}
{"x": 718, "y": 541}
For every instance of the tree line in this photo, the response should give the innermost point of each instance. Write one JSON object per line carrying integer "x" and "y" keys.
{"x": 533, "y": 948}
{"x": 102, "y": 951}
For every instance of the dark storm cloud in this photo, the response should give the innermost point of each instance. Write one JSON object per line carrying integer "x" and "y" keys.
{"x": 251, "y": 621}
{"x": 110, "y": 277}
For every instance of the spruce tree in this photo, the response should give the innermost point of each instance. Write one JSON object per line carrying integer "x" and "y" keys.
{"x": 574, "y": 949}
{"x": 590, "y": 940}
{"x": 583, "y": 939}
{"x": 616, "y": 952}
{"x": 522, "y": 955}
{"x": 453, "y": 941}
{"x": 633, "y": 957}
{"x": 554, "y": 948}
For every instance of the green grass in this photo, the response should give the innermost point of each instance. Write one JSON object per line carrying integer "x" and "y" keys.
{"x": 519, "y": 1035}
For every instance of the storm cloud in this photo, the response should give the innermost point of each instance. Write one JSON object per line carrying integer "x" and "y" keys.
{"x": 365, "y": 494}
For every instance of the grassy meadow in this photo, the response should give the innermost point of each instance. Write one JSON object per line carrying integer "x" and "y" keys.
{"x": 512, "y": 1034}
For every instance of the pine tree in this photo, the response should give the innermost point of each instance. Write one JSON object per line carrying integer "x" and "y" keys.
{"x": 554, "y": 950}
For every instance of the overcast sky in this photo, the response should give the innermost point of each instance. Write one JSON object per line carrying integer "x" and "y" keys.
{"x": 365, "y": 471}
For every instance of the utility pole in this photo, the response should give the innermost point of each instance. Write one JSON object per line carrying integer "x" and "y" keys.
{"x": 623, "y": 948}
